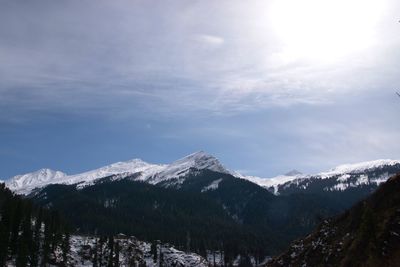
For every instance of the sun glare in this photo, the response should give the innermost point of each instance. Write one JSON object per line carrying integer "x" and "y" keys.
{"x": 324, "y": 30}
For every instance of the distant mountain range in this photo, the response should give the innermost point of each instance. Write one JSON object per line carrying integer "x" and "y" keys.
{"x": 170, "y": 175}
{"x": 341, "y": 178}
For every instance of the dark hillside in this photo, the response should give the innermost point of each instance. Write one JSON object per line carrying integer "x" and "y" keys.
{"x": 366, "y": 235}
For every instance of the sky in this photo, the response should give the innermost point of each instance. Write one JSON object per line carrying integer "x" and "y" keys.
{"x": 265, "y": 86}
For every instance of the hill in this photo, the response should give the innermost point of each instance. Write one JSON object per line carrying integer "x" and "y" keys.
{"x": 366, "y": 235}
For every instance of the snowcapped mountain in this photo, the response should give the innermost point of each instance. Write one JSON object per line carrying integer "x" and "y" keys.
{"x": 31, "y": 180}
{"x": 142, "y": 171}
{"x": 340, "y": 178}
{"x": 359, "y": 167}
{"x": 175, "y": 173}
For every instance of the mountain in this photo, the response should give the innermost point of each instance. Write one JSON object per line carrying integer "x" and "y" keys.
{"x": 218, "y": 211}
{"x": 152, "y": 212}
{"x": 272, "y": 184}
{"x": 357, "y": 179}
{"x": 366, "y": 175}
{"x": 366, "y": 235}
{"x": 142, "y": 171}
{"x": 197, "y": 197}
{"x": 27, "y": 182}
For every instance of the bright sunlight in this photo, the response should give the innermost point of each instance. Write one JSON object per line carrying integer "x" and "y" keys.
{"x": 324, "y": 30}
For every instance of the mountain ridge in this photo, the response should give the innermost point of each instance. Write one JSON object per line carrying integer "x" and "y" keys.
{"x": 146, "y": 172}
{"x": 173, "y": 174}
{"x": 365, "y": 235}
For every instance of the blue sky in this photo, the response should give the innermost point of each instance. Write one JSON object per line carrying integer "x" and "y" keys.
{"x": 266, "y": 86}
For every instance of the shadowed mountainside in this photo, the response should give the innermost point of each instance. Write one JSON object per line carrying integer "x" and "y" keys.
{"x": 368, "y": 234}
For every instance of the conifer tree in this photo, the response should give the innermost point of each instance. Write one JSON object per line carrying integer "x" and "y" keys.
{"x": 116, "y": 257}
{"x": 111, "y": 251}
{"x": 66, "y": 248}
{"x": 95, "y": 253}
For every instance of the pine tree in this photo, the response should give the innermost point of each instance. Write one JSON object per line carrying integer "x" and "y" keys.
{"x": 66, "y": 248}
{"x": 161, "y": 258}
{"x": 101, "y": 255}
{"x": 5, "y": 226}
{"x": 95, "y": 253}
{"x": 16, "y": 224}
{"x": 116, "y": 257}
{"x": 153, "y": 251}
{"x": 25, "y": 241}
{"x": 36, "y": 239}
{"x": 46, "y": 243}
{"x": 111, "y": 251}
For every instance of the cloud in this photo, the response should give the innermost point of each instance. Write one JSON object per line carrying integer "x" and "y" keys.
{"x": 209, "y": 39}
{"x": 165, "y": 60}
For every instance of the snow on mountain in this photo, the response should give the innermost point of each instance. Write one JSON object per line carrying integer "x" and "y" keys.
{"x": 358, "y": 174}
{"x": 126, "y": 168}
{"x": 347, "y": 175}
{"x": 358, "y": 167}
{"x": 146, "y": 172}
{"x": 273, "y": 182}
{"x": 178, "y": 169}
{"x": 24, "y": 184}
{"x": 31, "y": 180}
{"x": 212, "y": 186}
{"x": 174, "y": 174}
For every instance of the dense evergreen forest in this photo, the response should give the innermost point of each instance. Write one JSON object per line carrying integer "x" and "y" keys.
{"x": 238, "y": 217}
{"x": 190, "y": 221}
{"x": 30, "y": 235}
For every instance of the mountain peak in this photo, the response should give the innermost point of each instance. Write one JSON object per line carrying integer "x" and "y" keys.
{"x": 34, "y": 178}
{"x": 199, "y": 160}
{"x": 198, "y": 155}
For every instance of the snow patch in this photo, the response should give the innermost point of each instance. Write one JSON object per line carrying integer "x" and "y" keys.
{"x": 212, "y": 186}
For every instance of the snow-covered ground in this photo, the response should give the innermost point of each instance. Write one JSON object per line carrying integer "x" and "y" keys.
{"x": 132, "y": 253}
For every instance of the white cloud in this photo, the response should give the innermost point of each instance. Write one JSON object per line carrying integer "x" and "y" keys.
{"x": 209, "y": 39}
{"x": 168, "y": 60}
